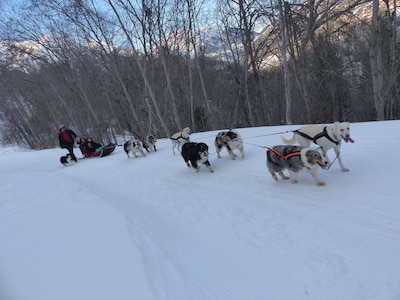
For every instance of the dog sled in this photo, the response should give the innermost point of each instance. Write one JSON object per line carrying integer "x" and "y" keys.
{"x": 104, "y": 151}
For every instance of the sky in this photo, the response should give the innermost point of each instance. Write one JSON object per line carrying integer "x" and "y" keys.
{"x": 151, "y": 228}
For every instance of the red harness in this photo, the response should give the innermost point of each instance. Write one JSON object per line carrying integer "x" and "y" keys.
{"x": 285, "y": 157}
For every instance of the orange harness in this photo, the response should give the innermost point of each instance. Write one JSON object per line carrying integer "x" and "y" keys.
{"x": 285, "y": 157}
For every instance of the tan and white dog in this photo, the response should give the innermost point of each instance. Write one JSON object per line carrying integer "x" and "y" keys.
{"x": 325, "y": 136}
{"x": 296, "y": 159}
{"x": 180, "y": 138}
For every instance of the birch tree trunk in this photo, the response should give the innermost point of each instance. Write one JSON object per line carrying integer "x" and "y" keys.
{"x": 286, "y": 74}
{"x": 375, "y": 57}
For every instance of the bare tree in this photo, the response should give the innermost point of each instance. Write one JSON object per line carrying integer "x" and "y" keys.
{"x": 284, "y": 16}
{"x": 129, "y": 8}
{"x": 383, "y": 56}
{"x": 239, "y": 18}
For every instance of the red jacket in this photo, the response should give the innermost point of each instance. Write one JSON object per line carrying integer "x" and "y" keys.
{"x": 66, "y": 138}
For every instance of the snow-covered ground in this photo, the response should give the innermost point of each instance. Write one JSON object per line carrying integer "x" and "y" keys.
{"x": 145, "y": 228}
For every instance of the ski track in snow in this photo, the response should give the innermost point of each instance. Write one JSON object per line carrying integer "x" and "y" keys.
{"x": 287, "y": 245}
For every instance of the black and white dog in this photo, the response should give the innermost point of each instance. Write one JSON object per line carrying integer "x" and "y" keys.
{"x": 133, "y": 146}
{"x": 296, "y": 159}
{"x": 66, "y": 160}
{"x": 231, "y": 140}
{"x": 195, "y": 153}
{"x": 179, "y": 138}
{"x": 149, "y": 143}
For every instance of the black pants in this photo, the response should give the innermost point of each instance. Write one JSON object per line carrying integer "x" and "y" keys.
{"x": 70, "y": 149}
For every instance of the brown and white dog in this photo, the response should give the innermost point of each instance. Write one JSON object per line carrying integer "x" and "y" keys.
{"x": 149, "y": 143}
{"x": 133, "y": 146}
{"x": 296, "y": 159}
{"x": 180, "y": 138}
{"x": 325, "y": 136}
{"x": 195, "y": 153}
{"x": 231, "y": 140}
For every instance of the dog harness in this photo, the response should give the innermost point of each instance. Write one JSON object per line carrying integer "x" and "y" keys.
{"x": 322, "y": 134}
{"x": 180, "y": 137}
{"x": 285, "y": 157}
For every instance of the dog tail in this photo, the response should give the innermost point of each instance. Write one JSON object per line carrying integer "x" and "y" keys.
{"x": 289, "y": 142}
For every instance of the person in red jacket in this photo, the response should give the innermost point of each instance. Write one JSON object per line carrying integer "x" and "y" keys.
{"x": 67, "y": 137}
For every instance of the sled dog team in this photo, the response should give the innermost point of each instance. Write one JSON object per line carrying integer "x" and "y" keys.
{"x": 294, "y": 158}
{"x": 291, "y": 157}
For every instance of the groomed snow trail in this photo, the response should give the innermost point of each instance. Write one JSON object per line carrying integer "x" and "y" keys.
{"x": 235, "y": 233}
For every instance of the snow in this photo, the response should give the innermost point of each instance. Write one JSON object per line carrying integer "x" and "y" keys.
{"x": 151, "y": 228}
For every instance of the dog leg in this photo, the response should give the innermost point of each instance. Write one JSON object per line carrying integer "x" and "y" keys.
{"x": 179, "y": 147}
{"x": 218, "y": 149}
{"x": 242, "y": 152}
{"x": 173, "y": 147}
{"x": 293, "y": 176}
{"x": 317, "y": 180}
{"x": 196, "y": 168}
{"x": 337, "y": 152}
{"x": 283, "y": 176}
{"x": 207, "y": 163}
{"x": 195, "y": 165}
{"x": 274, "y": 176}
{"x": 231, "y": 154}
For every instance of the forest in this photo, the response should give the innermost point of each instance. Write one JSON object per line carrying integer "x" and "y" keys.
{"x": 108, "y": 68}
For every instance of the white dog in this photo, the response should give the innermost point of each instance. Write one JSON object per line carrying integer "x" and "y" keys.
{"x": 180, "y": 138}
{"x": 325, "y": 136}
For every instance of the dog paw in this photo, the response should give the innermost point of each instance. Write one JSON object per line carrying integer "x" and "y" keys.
{"x": 294, "y": 181}
{"x": 345, "y": 170}
{"x": 320, "y": 183}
